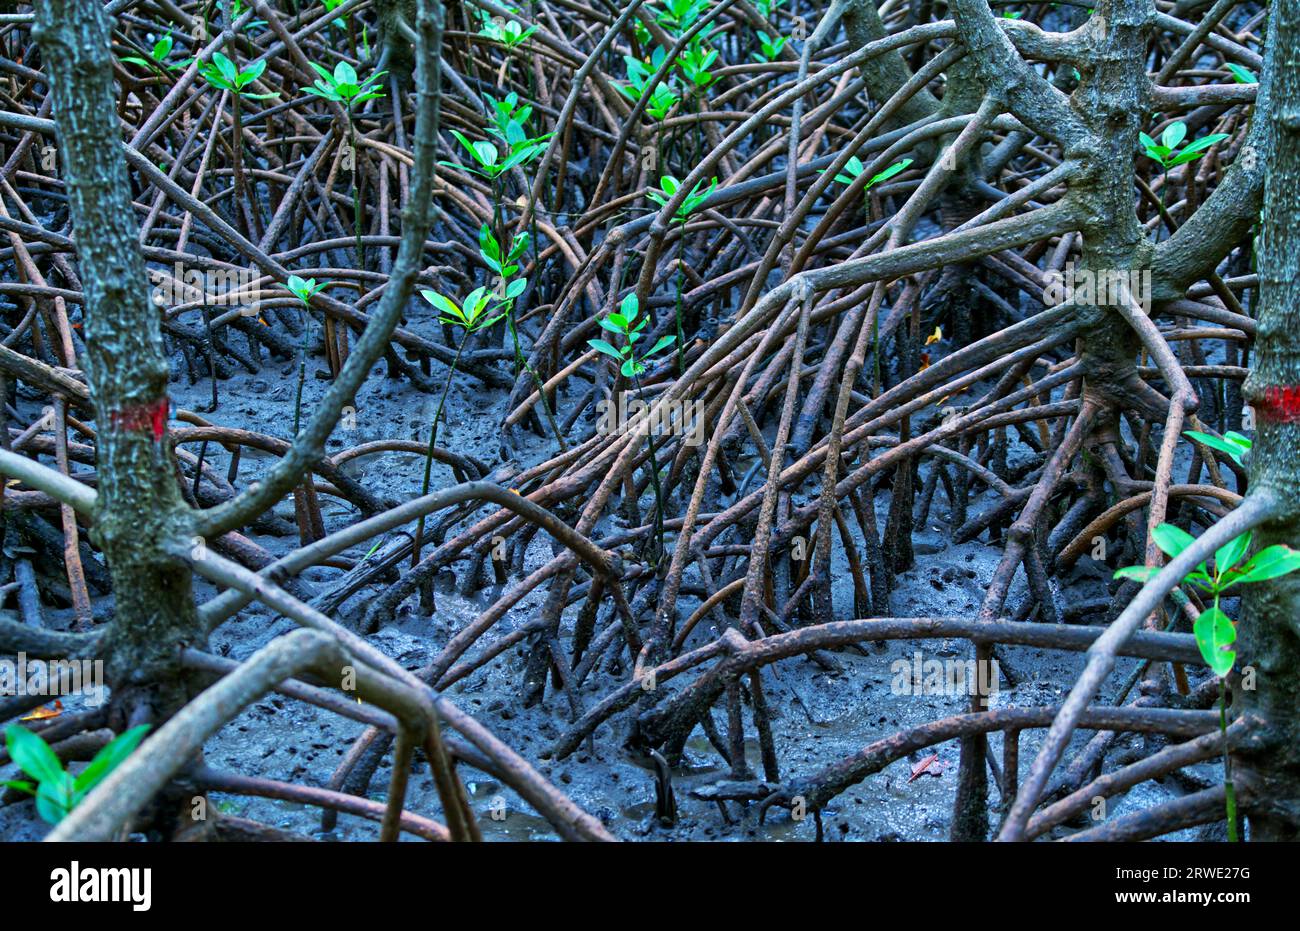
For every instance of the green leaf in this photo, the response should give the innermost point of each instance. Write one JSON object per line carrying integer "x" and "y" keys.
{"x": 1137, "y": 573}
{"x": 54, "y": 799}
{"x": 601, "y": 346}
{"x": 663, "y": 341}
{"x": 1269, "y": 563}
{"x": 109, "y": 758}
{"x": 519, "y": 157}
{"x": 487, "y": 243}
{"x": 1228, "y": 555}
{"x": 33, "y": 755}
{"x": 225, "y": 66}
{"x": 475, "y": 302}
{"x": 630, "y": 306}
{"x": 1228, "y": 447}
{"x": 252, "y": 72}
{"x": 28, "y": 787}
{"x": 1183, "y": 158}
{"x": 1242, "y": 75}
{"x": 889, "y": 172}
{"x": 1174, "y": 134}
{"x": 1204, "y": 143}
{"x": 485, "y": 153}
{"x": 1172, "y": 540}
{"x": 696, "y": 198}
{"x": 440, "y": 302}
{"x": 322, "y": 91}
{"x": 345, "y": 73}
{"x": 460, "y": 137}
{"x": 1214, "y": 634}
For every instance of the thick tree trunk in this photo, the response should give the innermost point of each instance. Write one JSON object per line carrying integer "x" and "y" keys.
{"x": 1269, "y": 631}
{"x": 140, "y": 516}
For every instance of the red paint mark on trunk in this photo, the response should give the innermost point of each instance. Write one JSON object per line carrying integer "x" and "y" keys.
{"x": 1281, "y": 404}
{"x": 151, "y": 417}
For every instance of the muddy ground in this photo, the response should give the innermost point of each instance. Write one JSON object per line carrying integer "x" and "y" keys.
{"x": 818, "y": 717}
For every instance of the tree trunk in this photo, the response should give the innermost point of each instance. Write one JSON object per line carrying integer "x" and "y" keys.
{"x": 140, "y": 517}
{"x": 1269, "y": 631}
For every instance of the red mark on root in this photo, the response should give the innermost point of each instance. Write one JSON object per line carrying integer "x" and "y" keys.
{"x": 1281, "y": 404}
{"x": 143, "y": 417}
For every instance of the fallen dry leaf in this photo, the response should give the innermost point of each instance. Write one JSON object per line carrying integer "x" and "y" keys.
{"x": 44, "y": 712}
{"x": 922, "y": 766}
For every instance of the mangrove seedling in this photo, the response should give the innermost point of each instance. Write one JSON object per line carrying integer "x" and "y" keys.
{"x": 224, "y": 74}
{"x": 695, "y": 61}
{"x": 473, "y": 314}
{"x": 508, "y": 32}
{"x": 1213, "y": 629}
{"x": 158, "y": 57}
{"x": 769, "y": 46}
{"x": 342, "y": 86}
{"x": 663, "y": 98}
{"x": 1167, "y": 154}
{"x": 853, "y": 170}
{"x": 510, "y": 123}
{"x": 668, "y": 186}
{"x": 489, "y": 161}
{"x": 632, "y": 364}
{"x": 624, "y": 323}
{"x": 679, "y": 15}
{"x": 56, "y": 790}
{"x": 303, "y": 289}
